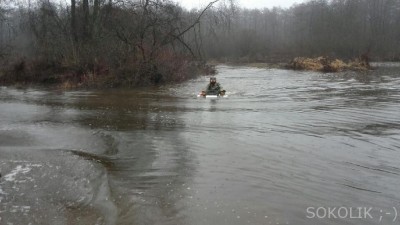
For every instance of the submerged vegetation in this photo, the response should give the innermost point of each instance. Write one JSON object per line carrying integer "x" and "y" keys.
{"x": 145, "y": 42}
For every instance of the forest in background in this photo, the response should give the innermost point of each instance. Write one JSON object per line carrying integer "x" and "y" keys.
{"x": 335, "y": 28}
{"x": 143, "y": 42}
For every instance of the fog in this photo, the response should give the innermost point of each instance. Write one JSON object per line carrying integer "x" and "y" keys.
{"x": 250, "y": 4}
{"x": 150, "y": 38}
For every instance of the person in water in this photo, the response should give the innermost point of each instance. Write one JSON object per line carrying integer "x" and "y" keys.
{"x": 213, "y": 88}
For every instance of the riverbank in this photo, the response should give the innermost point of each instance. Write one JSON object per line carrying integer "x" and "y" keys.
{"x": 24, "y": 72}
{"x": 319, "y": 64}
{"x": 101, "y": 75}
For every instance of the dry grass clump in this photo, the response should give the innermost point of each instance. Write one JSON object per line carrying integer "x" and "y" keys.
{"x": 325, "y": 64}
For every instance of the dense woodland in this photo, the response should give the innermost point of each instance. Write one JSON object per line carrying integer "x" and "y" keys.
{"x": 336, "y": 28}
{"x": 142, "y": 42}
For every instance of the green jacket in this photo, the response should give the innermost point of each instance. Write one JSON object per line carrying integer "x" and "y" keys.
{"x": 213, "y": 89}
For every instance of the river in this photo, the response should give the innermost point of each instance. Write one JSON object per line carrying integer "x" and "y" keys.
{"x": 283, "y": 148}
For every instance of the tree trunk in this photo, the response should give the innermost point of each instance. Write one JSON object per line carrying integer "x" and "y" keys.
{"x": 95, "y": 19}
{"x": 86, "y": 19}
{"x": 73, "y": 20}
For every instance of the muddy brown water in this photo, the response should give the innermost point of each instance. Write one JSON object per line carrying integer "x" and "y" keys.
{"x": 283, "y": 146}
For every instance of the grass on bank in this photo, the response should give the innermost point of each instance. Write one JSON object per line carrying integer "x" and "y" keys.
{"x": 100, "y": 74}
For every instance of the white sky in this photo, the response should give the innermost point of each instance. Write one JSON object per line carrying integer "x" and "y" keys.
{"x": 250, "y": 4}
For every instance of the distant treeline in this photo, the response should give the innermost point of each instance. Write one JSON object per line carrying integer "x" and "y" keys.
{"x": 336, "y": 28}
{"x": 141, "y": 42}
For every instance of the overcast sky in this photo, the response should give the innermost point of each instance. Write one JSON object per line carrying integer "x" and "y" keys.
{"x": 243, "y": 3}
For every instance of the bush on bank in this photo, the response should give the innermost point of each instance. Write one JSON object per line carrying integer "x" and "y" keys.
{"x": 100, "y": 74}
